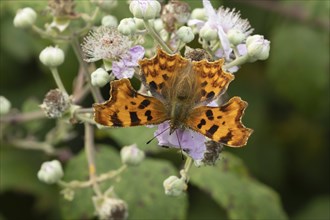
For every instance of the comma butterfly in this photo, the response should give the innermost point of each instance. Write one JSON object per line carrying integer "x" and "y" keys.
{"x": 181, "y": 89}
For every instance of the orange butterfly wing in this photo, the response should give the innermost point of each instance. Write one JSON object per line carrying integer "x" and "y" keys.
{"x": 221, "y": 124}
{"x": 213, "y": 80}
{"x": 157, "y": 71}
{"x": 126, "y": 107}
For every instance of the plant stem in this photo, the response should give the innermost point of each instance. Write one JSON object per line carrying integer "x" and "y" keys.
{"x": 154, "y": 34}
{"x": 95, "y": 91}
{"x": 237, "y": 61}
{"x": 83, "y": 184}
{"x": 57, "y": 79}
{"x": 90, "y": 153}
{"x": 22, "y": 117}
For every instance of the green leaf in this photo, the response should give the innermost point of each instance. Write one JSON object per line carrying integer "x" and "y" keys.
{"x": 141, "y": 187}
{"x": 298, "y": 66}
{"x": 233, "y": 189}
{"x": 317, "y": 208}
{"x": 139, "y": 135}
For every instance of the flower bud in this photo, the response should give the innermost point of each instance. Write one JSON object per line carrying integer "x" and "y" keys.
{"x": 145, "y": 9}
{"x": 50, "y": 172}
{"x": 235, "y": 36}
{"x": 257, "y": 47}
{"x": 199, "y": 13}
{"x": 25, "y": 18}
{"x": 106, "y": 5}
{"x": 185, "y": 34}
{"x": 110, "y": 21}
{"x": 131, "y": 155}
{"x": 111, "y": 208}
{"x": 139, "y": 24}
{"x": 52, "y": 56}
{"x": 158, "y": 24}
{"x": 127, "y": 26}
{"x": 208, "y": 33}
{"x": 174, "y": 186}
{"x": 100, "y": 77}
{"x": 5, "y": 105}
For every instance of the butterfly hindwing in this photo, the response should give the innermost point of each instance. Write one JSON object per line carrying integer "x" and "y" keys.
{"x": 213, "y": 80}
{"x": 159, "y": 70}
{"x": 221, "y": 124}
{"x": 127, "y": 108}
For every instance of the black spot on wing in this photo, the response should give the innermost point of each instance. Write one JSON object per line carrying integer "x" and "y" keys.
{"x": 203, "y": 84}
{"x": 165, "y": 76}
{"x": 133, "y": 103}
{"x": 153, "y": 85}
{"x": 201, "y": 124}
{"x": 115, "y": 120}
{"x": 212, "y": 130}
{"x": 134, "y": 118}
{"x": 209, "y": 114}
{"x": 148, "y": 114}
{"x": 210, "y": 95}
{"x": 145, "y": 103}
{"x": 226, "y": 138}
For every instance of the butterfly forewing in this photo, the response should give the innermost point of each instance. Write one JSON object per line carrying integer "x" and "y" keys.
{"x": 212, "y": 79}
{"x": 127, "y": 108}
{"x": 221, "y": 124}
{"x": 159, "y": 70}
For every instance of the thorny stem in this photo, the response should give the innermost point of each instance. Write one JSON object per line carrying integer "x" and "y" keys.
{"x": 45, "y": 34}
{"x": 57, "y": 79}
{"x": 33, "y": 145}
{"x": 154, "y": 34}
{"x": 184, "y": 172}
{"x": 95, "y": 92}
{"x": 90, "y": 153}
{"x": 103, "y": 177}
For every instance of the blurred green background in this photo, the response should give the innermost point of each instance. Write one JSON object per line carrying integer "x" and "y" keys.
{"x": 288, "y": 97}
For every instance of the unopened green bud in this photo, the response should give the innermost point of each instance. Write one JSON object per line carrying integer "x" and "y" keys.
{"x": 185, "y": 34}
{"x": 100, "y": 77}
{"x": 50, "y": 172}
{"x": 111, "y": 208}
{"x": 52, "y": 56}
{"x": 131, "y": 155}
{"x": 235, "y": 36}
{"x": 5, "y": 105}
{"x": 174, "y": 186}
{"x": 199, "y": 13}
{"x": 25, "y": 18}
{"x": 158, "y": 24}
{"x": 208, "y": 33}
{"x": 139, "y": 24}
{"x": 109, "y": 21}
{"x": 145, "y": 9}
{"x": 257, "y": 47}
{"x": 106, "y": 5}
{"x": 127, "y": 26}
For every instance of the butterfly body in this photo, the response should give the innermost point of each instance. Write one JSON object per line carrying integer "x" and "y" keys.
{"x": 181, "y": 90}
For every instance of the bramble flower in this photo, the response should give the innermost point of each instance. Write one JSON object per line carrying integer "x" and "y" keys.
{"x": 226, "y": 22}
{"x": 50, "y": 172}
{"x": 104, "y": 43}
{"x": 174, "y": 14}
{"x": 124, "y": 68}
{"x": 191, "y": 142}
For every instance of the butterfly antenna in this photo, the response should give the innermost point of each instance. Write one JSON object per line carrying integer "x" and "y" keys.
{"x": 148, "y": 142}
{"x": 177, "y": 136}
